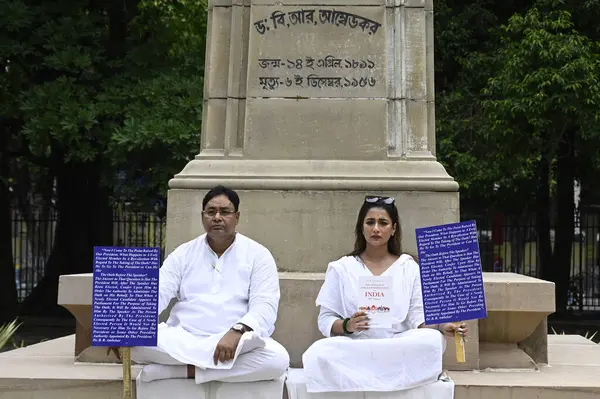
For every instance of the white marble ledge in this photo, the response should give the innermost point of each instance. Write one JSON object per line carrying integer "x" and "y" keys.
{"x": 504, "y": 291}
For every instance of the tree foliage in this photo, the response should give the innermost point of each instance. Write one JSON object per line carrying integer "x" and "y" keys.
{"x": 467, "y": 39}
{"x": 121, "y": 85}
{"x": 518, "y": 123}
{"x": 546, "y": 83}
{"x": 104, "y": 98}
{"x": 543, "y": 101}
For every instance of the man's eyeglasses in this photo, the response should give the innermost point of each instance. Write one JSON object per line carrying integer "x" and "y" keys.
{"x": 373, "y": 200}
{"x": 223, "y": 212}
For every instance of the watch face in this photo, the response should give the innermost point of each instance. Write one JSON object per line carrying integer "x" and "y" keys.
{"x": 238, "y": 327}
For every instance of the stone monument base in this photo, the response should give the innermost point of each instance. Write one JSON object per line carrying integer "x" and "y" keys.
{"x": 306, "y": 228}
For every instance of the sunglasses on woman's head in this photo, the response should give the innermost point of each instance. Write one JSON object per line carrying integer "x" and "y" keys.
{"x": 373, "y": 200}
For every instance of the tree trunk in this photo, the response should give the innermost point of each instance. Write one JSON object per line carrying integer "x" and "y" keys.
{"x": 517, "y": 245}
{"x": 8, "y": 287}
{"x": 542, "y": 216}
{"x": 563, "y": 246}
{"x": 34, "y": 195}
{"x": 84, "y": 221}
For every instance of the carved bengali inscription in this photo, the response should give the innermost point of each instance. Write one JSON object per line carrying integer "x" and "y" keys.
{"x": 309, "y": 67}
{"x": 315, "y": 80}
{"x": 279, "y": 19}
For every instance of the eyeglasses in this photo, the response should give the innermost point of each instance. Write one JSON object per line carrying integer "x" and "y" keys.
{"x": 373, "y": 200}
{"x": 223, "y": 212}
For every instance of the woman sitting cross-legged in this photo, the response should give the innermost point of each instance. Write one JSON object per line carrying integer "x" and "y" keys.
{"x": 355, "y": 357}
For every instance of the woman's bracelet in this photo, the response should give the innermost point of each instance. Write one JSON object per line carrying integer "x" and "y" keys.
{"x": 344, "y": 324}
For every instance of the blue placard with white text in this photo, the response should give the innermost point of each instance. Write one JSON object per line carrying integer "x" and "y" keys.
{"x": 125, "y": 296}
{"x": 451, "y": 275}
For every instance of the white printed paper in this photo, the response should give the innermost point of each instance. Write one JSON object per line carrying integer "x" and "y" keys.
{"x": 376, "y": 298}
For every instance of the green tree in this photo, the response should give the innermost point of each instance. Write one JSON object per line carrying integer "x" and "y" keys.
{"x": 99, "y": 93}
{"x": 541, "y": 110}
{"x": 516, "y": 103}
{"x": 467, "y": 36}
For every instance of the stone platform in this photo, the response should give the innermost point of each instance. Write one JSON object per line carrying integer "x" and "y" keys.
{"x": 47, "y": 371}
{"x": 573, "y": 372}
{"x": 512, "y": 336}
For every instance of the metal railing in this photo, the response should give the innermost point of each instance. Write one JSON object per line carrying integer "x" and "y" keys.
{"x": 33, "y": 237}
{"x": 507, "y": 244}
{"x": 510, "y": 244}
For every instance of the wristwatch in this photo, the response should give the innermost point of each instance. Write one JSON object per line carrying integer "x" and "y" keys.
{"x": 239, "y": 327}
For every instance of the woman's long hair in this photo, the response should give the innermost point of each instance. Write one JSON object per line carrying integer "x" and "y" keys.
{"x": 395, "y": 242}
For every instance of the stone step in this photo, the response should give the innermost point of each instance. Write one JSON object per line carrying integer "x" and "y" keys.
{"x": 47, "y": 371}
{"x": 573, "y": 372}
{"x": 550, "y": 382}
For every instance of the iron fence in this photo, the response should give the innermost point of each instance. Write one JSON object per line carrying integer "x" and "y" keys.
{"x": 506, "y": 244}
{"x": 33, "y": 237}
{"x": 510, "y": 244}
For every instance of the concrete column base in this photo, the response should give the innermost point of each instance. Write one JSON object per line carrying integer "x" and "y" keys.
{"x": 307, "y": 229}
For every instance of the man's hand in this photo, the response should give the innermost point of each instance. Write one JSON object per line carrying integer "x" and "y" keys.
{"x": 227, "y": 346}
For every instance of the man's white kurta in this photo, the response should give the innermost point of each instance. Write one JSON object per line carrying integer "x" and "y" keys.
{"x": 393, "y": 359}
{"x": 214, "y": 293}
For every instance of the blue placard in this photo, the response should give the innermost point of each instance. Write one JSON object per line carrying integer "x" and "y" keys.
{"x": 451, "y": 276}
{"x": 125, "y": 296}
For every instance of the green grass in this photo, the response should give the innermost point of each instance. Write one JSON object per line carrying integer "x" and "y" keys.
{"x": 7, "y": 331}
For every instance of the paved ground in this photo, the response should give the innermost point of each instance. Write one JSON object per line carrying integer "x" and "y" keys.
{"x": 47, "y": 371}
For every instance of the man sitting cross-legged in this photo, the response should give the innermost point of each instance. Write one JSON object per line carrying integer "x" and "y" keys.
{"x": 227, "y": 288}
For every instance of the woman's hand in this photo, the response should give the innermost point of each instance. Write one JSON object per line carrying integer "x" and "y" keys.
{"x": 358, "y": 322}
{"x": 449, "y": 329}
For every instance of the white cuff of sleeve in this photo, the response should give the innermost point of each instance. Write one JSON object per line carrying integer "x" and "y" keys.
{"x": 418, "y": 322}
{"x": 251, "y": 322}
{"x": 329, "y": 325}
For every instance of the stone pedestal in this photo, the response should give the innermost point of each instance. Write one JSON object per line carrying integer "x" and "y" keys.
{"x": 309, "y": 106}
{"x": 317, "y": 80}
